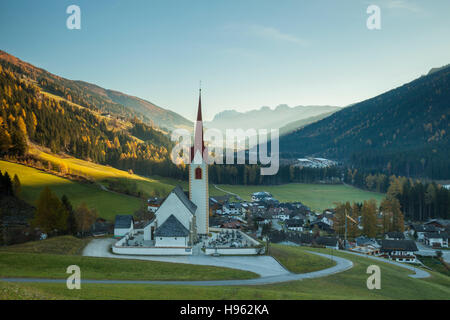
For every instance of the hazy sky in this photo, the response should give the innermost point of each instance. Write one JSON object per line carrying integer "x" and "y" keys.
{"x": 248, "y": 53}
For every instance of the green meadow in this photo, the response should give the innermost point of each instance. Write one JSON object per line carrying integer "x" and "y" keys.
{"x": 108, "y": 204}
{"x": 316, "y": 196}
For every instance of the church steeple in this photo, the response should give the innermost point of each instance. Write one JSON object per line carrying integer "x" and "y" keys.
{"x": 198, "y": 175}
{"x": 199, "y": 144}
{"x": 199, "y": 111}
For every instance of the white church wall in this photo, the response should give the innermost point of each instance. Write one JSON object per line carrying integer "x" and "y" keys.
{"x": 171, "y": 241}
{"x": 173, "y": 205}
{"x": 198, "y": 191}
{"x": 148, "y": 230}
{"x": 152, "y": 251}
{"x": 120, "y": 232}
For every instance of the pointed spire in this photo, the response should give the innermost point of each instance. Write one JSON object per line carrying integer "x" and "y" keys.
{"x": 199, "y": 144}
{"x": 199, "y": 112}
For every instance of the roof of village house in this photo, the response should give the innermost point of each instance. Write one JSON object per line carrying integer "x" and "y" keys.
{"x": 395, "y": 235}
{"x": 442, "y": 222}
{"x": 306, "y": 238}
{"x": 294, "y": 223}
{"x": 123, "y": 221}
{"x": 155, "y": 201}
{"x": 435, "y": 235}
{"x": 363, "y": 240}
{"x": 172, "y": 228}
{"x": 398, "y": 245}
{"x": 327, "y": 241}
{"x": 222, "y": 199}
{"x": 424, "y": 228}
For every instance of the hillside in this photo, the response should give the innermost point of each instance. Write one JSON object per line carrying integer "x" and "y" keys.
{"x": 404, "y": 131}
{"x": 73, "y": 124}
{"x": 94, "y": 97}
{"x": 266, "y": 118}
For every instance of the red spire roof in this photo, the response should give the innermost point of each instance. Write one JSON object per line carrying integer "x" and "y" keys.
{"x": 199, "y": 112}
{"x": 199, "y": 144}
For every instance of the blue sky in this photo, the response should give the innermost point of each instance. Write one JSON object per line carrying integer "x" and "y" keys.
{"x": 248, "y": 53}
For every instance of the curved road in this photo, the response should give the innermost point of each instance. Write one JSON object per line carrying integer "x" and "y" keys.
{"x": 419, "y": 273}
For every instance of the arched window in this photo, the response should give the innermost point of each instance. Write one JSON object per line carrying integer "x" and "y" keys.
{"x": 198, "y": 173}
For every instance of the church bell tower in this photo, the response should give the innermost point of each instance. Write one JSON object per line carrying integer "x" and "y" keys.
{"x": 198, "y": 175}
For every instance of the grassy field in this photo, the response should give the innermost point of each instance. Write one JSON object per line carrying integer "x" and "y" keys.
{"x": 67, "y": 245}
{"x": 106, "y": 174}
{"x": 351, "y": 284}
{"x": 108, "y": 204}
{"x": 299, "y": 261}
{"x": 50, "y": 259}
{"x": 43, "y": 265}
{"x": 434, "y": 264}
{"x": 316, "y": 196}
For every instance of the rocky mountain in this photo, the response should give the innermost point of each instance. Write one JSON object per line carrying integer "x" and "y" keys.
{"x": 267, "y": 118}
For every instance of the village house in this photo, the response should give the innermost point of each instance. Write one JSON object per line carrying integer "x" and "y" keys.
{"x": 440, "y": 224}
{"x": 399, "y": 250}
{"x": 294, "y": 224}
{"x": 124, "y": 224}
{"x": 259, "y": 196}
{"x": 327, "y": 217}
{"x": 322, "y": 226}
{"x": 154, "y": 203}
{"x": 422, "y": 229}
{"x": 436, "y": 240}
{"x": 233, "y": 208}
{"x": 328, "y": 242}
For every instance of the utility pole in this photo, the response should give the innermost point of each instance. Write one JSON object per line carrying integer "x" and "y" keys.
{"x": 345, "y": 238}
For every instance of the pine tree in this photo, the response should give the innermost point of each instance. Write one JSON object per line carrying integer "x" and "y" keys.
{"x": 369, "y": 217}
{"x": 50, "y": 213}
{"x": 85, "y": 218}
{"x": 71, "y": 221}
{"x": 17, "y": 187}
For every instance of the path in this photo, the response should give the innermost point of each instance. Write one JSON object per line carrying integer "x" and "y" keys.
{"x": 233, "y": 194}
{"x": 419, "y": 273}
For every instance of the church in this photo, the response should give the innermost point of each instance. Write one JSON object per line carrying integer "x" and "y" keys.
{"x": 182, "y": 220}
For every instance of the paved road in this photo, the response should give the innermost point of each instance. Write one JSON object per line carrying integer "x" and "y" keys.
{"x": 265, "y": 266}
{"x": 341, "y": 265}
{"x": 427, "y": 251}
{"x": 419, "y": 273}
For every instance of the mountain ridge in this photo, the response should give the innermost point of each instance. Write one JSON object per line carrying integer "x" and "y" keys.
{"x": 403, "y": 131}
{"x": 106, "y": 100}
{"x": 267, "y": 118}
